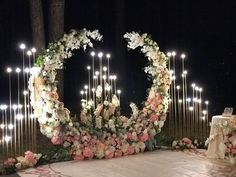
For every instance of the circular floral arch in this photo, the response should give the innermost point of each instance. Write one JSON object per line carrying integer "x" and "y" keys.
{"x": 100, "y": 132}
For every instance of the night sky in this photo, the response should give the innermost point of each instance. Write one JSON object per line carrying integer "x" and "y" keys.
{"x": 204, "y": 30}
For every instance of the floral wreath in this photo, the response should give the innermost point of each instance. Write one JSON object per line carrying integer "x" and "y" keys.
{"x": 100, "y": 132}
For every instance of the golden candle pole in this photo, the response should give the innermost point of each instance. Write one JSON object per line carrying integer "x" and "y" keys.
{"x": 14, "y": 107}
{"x": 178, "y": 112}
{"x": 169, "y": 91}
{"x": 94, "y": 101}
{"x": 115, "y": 78}
{"x": 100, "y": 55}
{"x": 191, "y": 109}
{"x": 200, "y": 106}
{"x": 196, "y": 113}
{"x": 30, "y": 139}
{"x": 174, "y": 98}
{"x": 89, "y": 84}
{"x": 188, "y": 120}
{"x": 193, "y": 105}
{"x": 93, "y": 69}
{"x": 185, "y": 106}
{"x": 183, "y": 56}
{"x": 2, "y": 126}
{"x": 104, "y": 83}
{"x": 20, "y": 117}
{"x": 6, "y": 137}
{"x": 207, "y": 118}
{"x": 9, "y": 71}
{"x": 111, "y": 78}
{"x": 108, "y": 56}
{"x": 86, "y": 93}
{"x": 24, "y": 141}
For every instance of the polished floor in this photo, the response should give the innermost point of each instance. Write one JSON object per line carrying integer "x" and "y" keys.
{"x": 150, "y": 164}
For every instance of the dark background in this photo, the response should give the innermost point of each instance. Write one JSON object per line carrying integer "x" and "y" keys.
{"x": 204, "y": 30}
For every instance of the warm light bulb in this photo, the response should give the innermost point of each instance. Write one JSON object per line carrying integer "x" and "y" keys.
{"x": 104, "y": 77}
{"x": 92, "y": 53}
{"x": 2, "y": 126}
{"x": 97, "y": 73}
{"x": 19, "y": 116}
{"x": 203, "y": 118}
{"x": 173, "y": 53}
{"x": 168, "y": 54}
{"x": 114, "y": 77}
{"x": 81, "y": 92}
{"x": 27, "y": 70}
{"x": 206, "y": 102}
{"x": 183, "y": 56}
{"x": 31, "y": 116}
{"x": 188, "y": 99}
{"x": 108, "y": 56}
{"x": 200, "y": 89}
{"x": 193, "y": 85}
{"x": 190, "y": 108}
{"x": 104, "y": 68}
{"x": 204, "y": 112}
{"x": 93, "y": 89}
{"x": 196, "y": 88}
{"x": 10, "y": 126}
{"x": 14, "y": 106}
{"x": 22, "y": 46}
{"x": 180, "y": 101}
{"x": 95, "y": 77}
{"x": 119, "y": 92}
{"x": 185, "y": 72}
{"x": 7, "y": 138}
{"x": 33, "y": 50}
{"x": 20, "y": 106}
{"x": 3, "y": 107}
{"x": 9, "y": 70}
{"x": 18, "y": 70}
{"x": 88, "y": 67}
{"x": 86, "y": 87}
{"x": 29, "y": 52}
{"x": 25, "y": 92}
{"x": 100, "y": 54}
{"x": 178, "y": 87}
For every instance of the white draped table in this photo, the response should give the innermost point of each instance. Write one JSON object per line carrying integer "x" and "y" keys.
{"x": 220, "y": 126}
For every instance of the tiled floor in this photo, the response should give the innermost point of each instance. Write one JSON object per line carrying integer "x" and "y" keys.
{"x": 151, "y": 164}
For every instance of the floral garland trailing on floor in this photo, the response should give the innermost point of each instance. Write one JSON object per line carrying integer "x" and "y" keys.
{"x": 99, "y": 132}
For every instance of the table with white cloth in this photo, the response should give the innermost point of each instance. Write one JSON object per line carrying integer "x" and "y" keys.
{"x": 220, "y": 127}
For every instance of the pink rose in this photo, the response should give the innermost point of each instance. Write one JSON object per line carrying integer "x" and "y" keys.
{"x": 129, "y": 136}
{"x": 56, "y": 140}
{"x": 233, "y": 150}
{"x": 186, "y": 141}
{"x": 118, "y": 153}
{"x": 29, "y": 156}
{"x": 153, "y": 117}
{"x": 109, "y": 154}
{"x": 143, "y": 137}
{"x": 79, "y": 157}
{"x": 130, "y": 150}
{"x": 87, "y": 152}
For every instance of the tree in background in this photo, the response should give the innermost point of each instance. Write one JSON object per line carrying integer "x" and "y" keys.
{"x": 55, "y": 28}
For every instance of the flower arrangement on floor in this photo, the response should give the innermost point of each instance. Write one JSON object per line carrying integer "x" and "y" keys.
{"x": 101, "y": 131}
{"x": 30, "y": 159}
{"x": 230, "y": 144}
{"x": 184, "y": 143}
